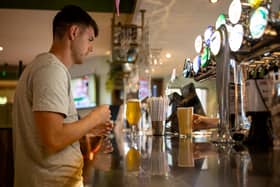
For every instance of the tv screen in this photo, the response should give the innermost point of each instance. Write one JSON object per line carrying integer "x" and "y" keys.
{"x": 143, "y": 89}
{"x": 83, "y": 89}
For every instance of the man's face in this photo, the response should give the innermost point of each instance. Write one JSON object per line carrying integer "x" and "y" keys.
{"x": 82, "y": 44}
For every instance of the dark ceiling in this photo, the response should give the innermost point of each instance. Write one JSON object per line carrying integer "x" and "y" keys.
{"x": 126, "y": 6}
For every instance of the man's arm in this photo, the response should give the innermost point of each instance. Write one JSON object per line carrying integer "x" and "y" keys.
{"x": 203, "y": 122}
{"x": 56, "y": 135}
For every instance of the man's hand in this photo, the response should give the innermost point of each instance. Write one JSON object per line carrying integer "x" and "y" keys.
{"x": 100, "y": 115}
{"x": 102, "y": 130}
{"x": 203, "y": 122}
{"x": 55, "y": 135}
{"x": 106, "y": 146}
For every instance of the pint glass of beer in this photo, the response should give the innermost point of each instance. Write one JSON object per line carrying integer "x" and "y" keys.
{"x": 185, "y": 118}
{"x": 133, "y": 113}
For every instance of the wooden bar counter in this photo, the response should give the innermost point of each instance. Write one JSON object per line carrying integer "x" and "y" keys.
{"x": 170, "y": 161}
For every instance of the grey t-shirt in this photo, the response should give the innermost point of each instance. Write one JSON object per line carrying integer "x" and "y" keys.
{"x": 44, "y": 86}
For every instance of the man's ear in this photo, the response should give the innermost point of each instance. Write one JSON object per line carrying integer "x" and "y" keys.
{"x": 73, "y": 32}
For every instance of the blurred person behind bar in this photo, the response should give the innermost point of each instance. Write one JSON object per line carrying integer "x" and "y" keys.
{"x": 46, "y": 129}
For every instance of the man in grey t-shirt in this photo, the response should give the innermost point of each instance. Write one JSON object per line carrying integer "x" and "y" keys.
{"x": 46, "y": 129}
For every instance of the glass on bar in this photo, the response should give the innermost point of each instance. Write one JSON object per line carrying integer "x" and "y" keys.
{"x": 185, "y": 120}
{"x": 133, "y": 114}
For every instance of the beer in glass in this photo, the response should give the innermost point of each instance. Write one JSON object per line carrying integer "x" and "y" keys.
{"x": 185, "y": 118}
{"x": 133, "y": 112}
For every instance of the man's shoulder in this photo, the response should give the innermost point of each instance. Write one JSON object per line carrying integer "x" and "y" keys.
{"x": 47, "y": 61}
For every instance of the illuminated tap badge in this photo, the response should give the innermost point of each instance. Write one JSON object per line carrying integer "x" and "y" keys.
{"x": 255, "y": 3}
{"x": 198, "y": 44}
{"x": 221, "y": 20}
{"x": 234, "y": 11}
{"x": 196, "y": 64}
{"x": 205, "y": 57}
{"x": 258, "y": 22}
{"x": 215, "y": 43}
{"x": 207, "y": 35}
{"x": 236, "y": 37}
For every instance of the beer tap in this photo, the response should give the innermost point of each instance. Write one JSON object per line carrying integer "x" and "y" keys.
{"x": 222, "y": 73}
{"x": 241, "y": 123}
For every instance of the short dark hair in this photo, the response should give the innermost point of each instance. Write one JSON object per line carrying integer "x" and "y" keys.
{"x": 69, "y": 15}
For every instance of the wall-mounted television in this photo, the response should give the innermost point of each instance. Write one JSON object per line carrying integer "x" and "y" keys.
{"x": 84, "y": 91}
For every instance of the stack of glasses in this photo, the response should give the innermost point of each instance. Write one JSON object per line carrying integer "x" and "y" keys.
{"x": 157, "y": 107}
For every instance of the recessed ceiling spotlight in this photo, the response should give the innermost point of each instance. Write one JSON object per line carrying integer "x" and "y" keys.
{"x": 1, "y": 48}
{"x": 213, "y": 1}
{"x": 108, "y": 52}
{"x": 3, "y": 100}
{"x": 153, "y": 70}
{"x": 155, "y": 61}
{"x": 168, "y": 55}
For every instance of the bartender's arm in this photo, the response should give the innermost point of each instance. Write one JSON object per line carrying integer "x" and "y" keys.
{"x": 202, "y": 122}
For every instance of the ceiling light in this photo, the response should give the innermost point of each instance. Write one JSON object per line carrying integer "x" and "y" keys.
{"x": 153, "y": 70}
{"x": 3, "y": 100}
{"x": 108, "y": 52}
{"x": 1, "y": 48}
{"x": 168, "y": 55}
{"x": 155, "y": 61}
{"x": 213, "y": 1}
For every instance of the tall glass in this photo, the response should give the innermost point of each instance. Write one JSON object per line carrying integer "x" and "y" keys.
{"x": 90, "y": 144}
{"x": 185, "y": 119}
{"x": 133, "y": 113}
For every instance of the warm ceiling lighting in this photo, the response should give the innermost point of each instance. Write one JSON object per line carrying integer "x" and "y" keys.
{"x": 168, "y": 55}
{"x": 147, "y": 71}
{"x": 155, "y": 61}
{"x": 108, "y": 52}
{"x": 3, "y": 100}
{"x": 213, "y": 1}
{"x": 1, "y": 48}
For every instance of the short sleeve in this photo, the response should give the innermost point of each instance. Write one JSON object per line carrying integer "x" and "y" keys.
{"x": 50, "y": 89}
